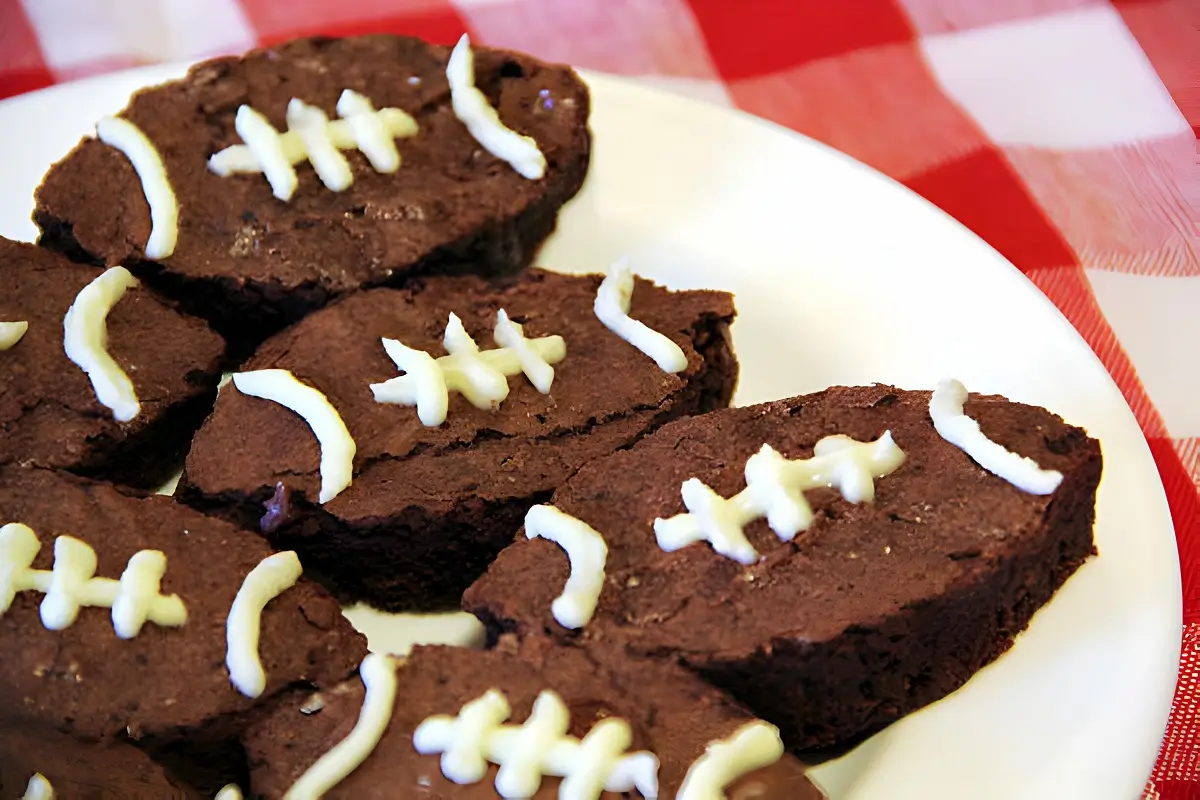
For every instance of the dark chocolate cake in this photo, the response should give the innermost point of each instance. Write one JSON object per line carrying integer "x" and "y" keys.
{"x": 49, "y": 413}
{"x": 429, "y": 507}
{"x": 668, "y": 711}
{"x": 252, "y": 263}
{"x": 875, "y": 610}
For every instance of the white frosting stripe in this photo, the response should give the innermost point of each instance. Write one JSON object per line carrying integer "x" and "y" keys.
{"x": 71, "y": 584}
{"x": 312, "y": 126}
{"x": 775, "y": 489}
{"x": 540, "y": 747}
{"x": 337, "y": 446}
{"x": 123, "y": 135}
{"x": 378, "y": 674}
{"x": 313, "y": 136}
{"x": 753, "y": 746}
{"x": 38, "y": 788}
{"x": 472, "y": 108}
{"x": 510, "y": 335}
{"x": 946, "y": 411}
{"x": 11, "y": 333}
{"x": 613, "y": 299}
{"x": 272, "y": 576}
{"x": 587, "y": 552}
{"x": 85, "y": 339}
{"x": 481, "y": 376}
{"x": 230, "y": 791}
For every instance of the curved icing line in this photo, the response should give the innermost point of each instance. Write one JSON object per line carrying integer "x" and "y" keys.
{"x": 164, "y": 208}
{"x": 337, "y": 446}
{"x": 612, "y": 309}
{"x": 483, "y": 122}
{"x": 11, "y": 333}
{"x": 946, "y": 411}
{"x": 270, "y": 578}
{"x": 230, "y": 791}
{"x": 378, "y": 674}
{"x": 587, "y": 553}
{"x": 753, "y": 746}
{"x": 85, "y": 337}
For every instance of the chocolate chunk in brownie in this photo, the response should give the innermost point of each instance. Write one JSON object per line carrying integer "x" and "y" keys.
{"x": 876, "y": 610}
{"x": 167, "y": 689}
{"x": 251, "y": 263}
{"x": 49, "y": 414}
{"x": 429, "y": 507}
{"x": 670, "y": 714}
{"x": 81, "y": 771}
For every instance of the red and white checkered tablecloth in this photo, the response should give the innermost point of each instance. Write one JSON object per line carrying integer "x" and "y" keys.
{"x": 1064, "y": 132}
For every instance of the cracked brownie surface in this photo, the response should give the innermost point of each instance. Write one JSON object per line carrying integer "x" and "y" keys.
{"x": 167, "y": 689}
{"x": 876, "y": 610}
{"x": 251, "y": 263}
{"x": 430, "y": 507}
{"x": 49, "y": 414}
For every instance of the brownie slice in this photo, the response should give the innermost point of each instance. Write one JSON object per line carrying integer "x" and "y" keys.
{"x": 82, "y": 771}
{"x": 49, "y": 414}
{"x": 251, "y": 263}
{"x": 876, "y": 610}
{"x": 429, "y": 507}
{"x": 167, "y": 689}
{"x": 670, "y": 713}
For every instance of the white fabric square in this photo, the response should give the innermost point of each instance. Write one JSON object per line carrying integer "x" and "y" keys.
{"x": 1156, "y": 321}
{"x": 72, "y": 34}
{"x": 1070, "y": 80}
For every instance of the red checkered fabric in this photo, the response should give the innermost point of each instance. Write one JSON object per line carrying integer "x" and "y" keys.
{"x": 1064, "y": 132}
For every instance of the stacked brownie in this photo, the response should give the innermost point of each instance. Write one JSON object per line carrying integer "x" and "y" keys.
{"x": 405, "y": 390}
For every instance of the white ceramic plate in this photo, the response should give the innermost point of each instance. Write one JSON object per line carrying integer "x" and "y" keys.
{"x": 843, "y": 276}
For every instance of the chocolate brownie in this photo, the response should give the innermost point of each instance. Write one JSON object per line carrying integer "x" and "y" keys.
{"x": 876, "y": 610}
{"x": 429, "y": 507}
{"x": 81, "y": 771}
{"x": 49, "y": 414}
{"x": 251, "y": 263}
{"x": 166, "y": 689}
{"x": 670, "y": 713}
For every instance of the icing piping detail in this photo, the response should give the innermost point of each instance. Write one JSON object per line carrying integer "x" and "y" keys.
{"x": 753, "y": 746}
{"x": 378, "y": 674}
{"x": 337, "y": 446}
{"x": 272, "y": 576}
{"x": 123, "y": 135}
{"x": 85, "y": 341}
{"x": 11, "y": 333}
{"x": 775, "y": 489}
{"x": 612, "y": 309}
{"x": 587, "y": 552}
{"x": 540, "y": 747}
{"x": 312, "y": 136}
{"x": 483, "y": 122}
{"x": 946, "y": 411}
{"x": 71, "y": 584}
{"x": 481, "y": 376}
{"x": 38, "y": 788}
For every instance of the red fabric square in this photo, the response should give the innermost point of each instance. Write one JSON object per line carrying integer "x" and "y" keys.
{"x": 434, "y": 20}
{"x": 625, "y": 37}
{"x": 1120, "y": 208}
{"x": 758, "y": 37}
{"x": 23, "y": 68}
{"x": 880, "y": 105}
{"x": 1167, "y": 31}
{"x": 983, "y": 192}
{"x": 1185, "y": 513}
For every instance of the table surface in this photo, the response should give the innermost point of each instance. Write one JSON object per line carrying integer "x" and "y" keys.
{"x": 1063, "y": 132}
